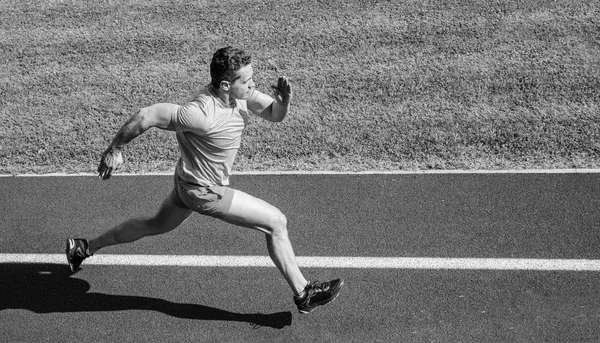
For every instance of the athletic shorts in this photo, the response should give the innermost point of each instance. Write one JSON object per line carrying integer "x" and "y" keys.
{"x": 213, "y": 201}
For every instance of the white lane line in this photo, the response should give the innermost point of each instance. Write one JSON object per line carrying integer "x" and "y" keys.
{"x": 321, "y": 262}
{"x": 326, "y": 172}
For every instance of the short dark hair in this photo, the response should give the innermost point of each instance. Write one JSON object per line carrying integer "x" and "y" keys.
{"x": 225, "y": 63}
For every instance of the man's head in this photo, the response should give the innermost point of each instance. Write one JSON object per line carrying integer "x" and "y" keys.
{"x": 230, "y": 69}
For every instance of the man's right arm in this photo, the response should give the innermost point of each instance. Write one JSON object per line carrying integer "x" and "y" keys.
{"x": 158, "y": 115}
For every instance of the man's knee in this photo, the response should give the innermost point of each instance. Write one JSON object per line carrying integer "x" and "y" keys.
{"x": 155, "y": 226}
{"x": 168, "y": 217}
{"x": 278, "y": 224}
{"x": 159, "y": 224}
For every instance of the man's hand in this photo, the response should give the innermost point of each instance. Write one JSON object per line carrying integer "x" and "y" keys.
{"x": 110, "y": 161}
{"x": 283, "y": 91}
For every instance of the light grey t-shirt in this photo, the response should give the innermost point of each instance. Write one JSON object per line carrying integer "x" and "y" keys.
{"x": 209, "y": 134}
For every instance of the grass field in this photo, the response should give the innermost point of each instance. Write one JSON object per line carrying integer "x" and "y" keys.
{"x": 383, "y": 85}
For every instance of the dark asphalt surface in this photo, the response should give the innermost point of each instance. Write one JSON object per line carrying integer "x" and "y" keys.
{"x": 416, "y": 215}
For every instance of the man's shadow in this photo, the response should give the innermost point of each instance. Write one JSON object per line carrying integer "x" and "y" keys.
{"x": 46, "y": 288}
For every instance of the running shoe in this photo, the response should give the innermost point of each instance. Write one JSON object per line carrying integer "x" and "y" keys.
{"x": 77, "y": 251}
{"x": 317, "y": 294}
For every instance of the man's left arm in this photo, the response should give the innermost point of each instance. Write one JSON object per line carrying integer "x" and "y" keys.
{"x": 271, "y": 109}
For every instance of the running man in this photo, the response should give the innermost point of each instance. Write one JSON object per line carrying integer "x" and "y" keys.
{"x": 209, "y": 130}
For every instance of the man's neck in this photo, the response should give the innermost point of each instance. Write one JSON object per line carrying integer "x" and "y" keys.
{"x": 224, "y": 96}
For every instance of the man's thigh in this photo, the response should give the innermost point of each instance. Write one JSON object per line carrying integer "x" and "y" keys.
{"x": 170, "y": 215}
{"x": 252, "y": 212}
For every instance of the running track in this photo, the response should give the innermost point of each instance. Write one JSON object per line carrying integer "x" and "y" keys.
{"x": 463, "y": 226}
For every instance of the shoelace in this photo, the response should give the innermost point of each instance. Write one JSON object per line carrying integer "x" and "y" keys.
{"x": 312, "y": 288}
{"x": 84, "y": 251}
{"x": 80, "y": 253}
{"x": 317, "y": 286}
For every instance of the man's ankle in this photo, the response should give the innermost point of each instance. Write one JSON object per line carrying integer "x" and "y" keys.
{"x": 302, "y": 293}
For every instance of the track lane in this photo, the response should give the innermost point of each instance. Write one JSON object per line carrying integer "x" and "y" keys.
{"x": 185, "y": 304}
{"x": 465, "y": 215}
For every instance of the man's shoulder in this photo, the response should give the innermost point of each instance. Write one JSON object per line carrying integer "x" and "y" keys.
{"x": 203, "y": 98}
{"x": 197, "y": 114}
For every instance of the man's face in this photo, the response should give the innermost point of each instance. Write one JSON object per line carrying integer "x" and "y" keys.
{"x": 240, "y": 88}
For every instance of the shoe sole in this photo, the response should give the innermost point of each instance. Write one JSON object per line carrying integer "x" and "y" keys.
{"x": 324, "y": 303}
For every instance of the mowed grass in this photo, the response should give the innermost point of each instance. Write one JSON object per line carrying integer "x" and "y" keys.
{"x": 378, "y": 85}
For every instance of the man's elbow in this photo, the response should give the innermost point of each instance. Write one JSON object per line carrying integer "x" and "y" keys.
{"x": 145, "y": 118}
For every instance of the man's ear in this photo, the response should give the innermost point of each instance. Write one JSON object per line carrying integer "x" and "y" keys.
{"x": 225, "y": 85}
